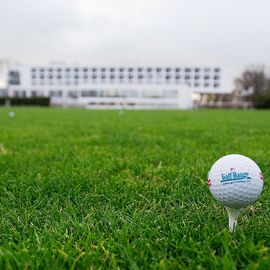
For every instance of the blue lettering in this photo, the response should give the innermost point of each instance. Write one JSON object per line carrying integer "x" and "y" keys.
{"x": 234, "y": 176}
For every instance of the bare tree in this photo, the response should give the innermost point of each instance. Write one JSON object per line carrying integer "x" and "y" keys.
{"x": 254, "y": 86}
{"x": 253, "y": 79}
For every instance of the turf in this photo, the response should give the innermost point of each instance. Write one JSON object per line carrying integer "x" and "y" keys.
{"x": 84, "y": 189}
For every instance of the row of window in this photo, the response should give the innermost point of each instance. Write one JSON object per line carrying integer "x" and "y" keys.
{"x": 102, "y": 93}
{"x": 121, "y": 77}
{"x": 121, "y": 69}
{"x": 196, "y": 84}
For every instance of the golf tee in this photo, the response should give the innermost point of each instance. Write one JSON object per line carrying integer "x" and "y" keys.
{"x": 233, "y": 216}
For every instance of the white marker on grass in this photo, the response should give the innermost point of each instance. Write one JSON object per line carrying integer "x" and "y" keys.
{"x": 235, "y": 181}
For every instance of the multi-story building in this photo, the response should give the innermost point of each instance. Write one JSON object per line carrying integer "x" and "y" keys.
{"x": 3, "y": 79}
{"x": 111, "y": 86}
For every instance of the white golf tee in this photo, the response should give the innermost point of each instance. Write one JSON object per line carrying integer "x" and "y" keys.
{"x": 233, "y": 216}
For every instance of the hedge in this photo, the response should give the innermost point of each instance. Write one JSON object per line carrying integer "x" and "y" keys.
{"x": 25, "y": 101}
{"x": 262, "y": 101}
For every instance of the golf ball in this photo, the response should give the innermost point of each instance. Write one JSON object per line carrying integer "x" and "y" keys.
{"x": 235, "y": 180}
{"x": 11, "y": 114}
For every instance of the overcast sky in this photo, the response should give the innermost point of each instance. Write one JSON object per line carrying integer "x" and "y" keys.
{"x": 231, "y": 34}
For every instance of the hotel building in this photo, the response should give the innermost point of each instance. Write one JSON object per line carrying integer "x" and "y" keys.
{"x": 91, "y": 86}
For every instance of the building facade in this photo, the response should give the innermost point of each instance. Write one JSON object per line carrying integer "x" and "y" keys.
{"x": 110, "y": 86}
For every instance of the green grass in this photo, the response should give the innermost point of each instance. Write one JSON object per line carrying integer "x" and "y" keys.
{"x": 96, "y": 189}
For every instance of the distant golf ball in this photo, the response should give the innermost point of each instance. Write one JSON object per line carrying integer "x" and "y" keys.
{"x": 11, "y": 114}
{"x": 235, "y": 180}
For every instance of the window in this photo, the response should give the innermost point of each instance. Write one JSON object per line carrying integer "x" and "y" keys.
{"x": 206, "y": 85}
{"x": 130, "y": 77}
{"x": 85, "y": 77}
{"x": 19, "y": 93}
{"x": 216, "y": 85}
{"x": 112, "y": 69}
{"x": 206, "y": 77}
{"x": 140, "y": 69}
{"x": 170, "y": 93}
{"x": 177, "y": 69}
{"x": 33, "y": 70}
{"x": 177, "y": 77}
{"x": 72, "y": 94}
{"x": 59, "y": 77}
{"x": 94, "y": 77}
{"x": 94, "y": 69}
{"x": 76, "y": 77}
{"x": 93, "y": 93}
{"x": 196, "y": 84}
{"x": 41, "y": 69}
{"x": 103, "y": 76}
{"x": 158, "y": 70}
{"x": 59, "y": 70}
{"x": 76, "y": 69}
{"x": 187, "y": 77}
{"x": 168, "y": 77}
{"x": 89, "y": 93}
{"x": 130, "y": 70}
{"x": 197, "y": 69}
{"x": 57, "y": 93}
{"x": 103, "y": 69}
{"x": 216, "y": 77}
{"x": 16, "y": 93}
{"x": 85, "y": 69}
{"x": 67, "y": 69}
{"x": 149, "y": 69}
{"x": 121, "y": 69}
{"x": 140, "y": 76}
{"x": 187, "y": 70}
{"x": 217, "y": 69}
{"x": 196, "y": 77}
{"x": 33, "y": 93}
{"x": 168, "y": 70}
{"x": 2, "y": 93}
{"x": 152, "y": 94}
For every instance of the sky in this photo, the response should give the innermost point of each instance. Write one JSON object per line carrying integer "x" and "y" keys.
{"x": 231, "y": 34}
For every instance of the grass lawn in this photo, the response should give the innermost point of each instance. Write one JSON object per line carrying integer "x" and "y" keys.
{"x": 86, "y": 189}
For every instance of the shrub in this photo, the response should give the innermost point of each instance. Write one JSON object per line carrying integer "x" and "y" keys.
{"x": 262, "y": 101}
{"x": 2, "y": 101}
{"x": 26, "y": 101}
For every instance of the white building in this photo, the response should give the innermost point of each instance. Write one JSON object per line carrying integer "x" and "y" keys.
{"x": 110, "y": 86}
{"x": 3, "y": 79}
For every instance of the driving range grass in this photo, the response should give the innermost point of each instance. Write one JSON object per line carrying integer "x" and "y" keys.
{"x": 84, "y": 189}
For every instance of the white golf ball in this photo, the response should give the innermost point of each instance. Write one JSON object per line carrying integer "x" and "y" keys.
{"x": 235, "y": 180}
{"x": 11, "y": 114}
